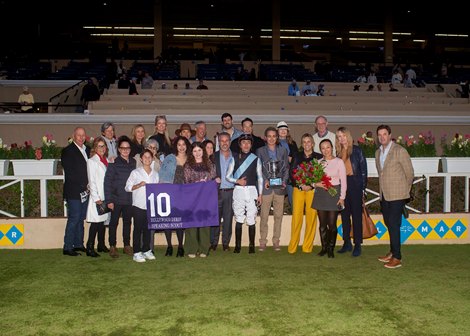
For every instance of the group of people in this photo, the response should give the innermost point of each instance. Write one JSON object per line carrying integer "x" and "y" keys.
{"x": 253, "y": 175}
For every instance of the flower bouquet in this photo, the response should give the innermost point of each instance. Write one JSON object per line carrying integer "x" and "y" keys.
{"x": 313, "y": 172}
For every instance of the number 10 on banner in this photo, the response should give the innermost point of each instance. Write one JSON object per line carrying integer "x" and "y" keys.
{"x": 162, "y": 203}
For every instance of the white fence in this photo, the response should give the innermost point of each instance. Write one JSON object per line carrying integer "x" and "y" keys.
{"x": 425, "y": 178}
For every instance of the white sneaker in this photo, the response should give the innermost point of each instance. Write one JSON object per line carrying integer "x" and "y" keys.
{"x": 192, "y": 256}
{"x": 138, "y": 257}
{"x": 149, "y": 255}
{"x": 202, "y": 255}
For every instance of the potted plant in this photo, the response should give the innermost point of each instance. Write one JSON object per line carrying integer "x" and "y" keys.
{"x": 422, "y": 151}
{"x": 368, "y": 145}
{"x": 28, "y": 160}
{"x": 456, "y": 154}
{"x": 4, "y": 158}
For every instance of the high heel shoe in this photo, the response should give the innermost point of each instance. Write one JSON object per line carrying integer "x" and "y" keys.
{"x": 169, "y": 251}
{"x": 180, "y": 252}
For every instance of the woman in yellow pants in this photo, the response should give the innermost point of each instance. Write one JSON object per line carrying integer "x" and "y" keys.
{"x": 302, "y": 199}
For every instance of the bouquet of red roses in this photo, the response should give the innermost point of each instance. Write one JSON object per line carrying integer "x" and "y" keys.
{"x": 308, "y": 173}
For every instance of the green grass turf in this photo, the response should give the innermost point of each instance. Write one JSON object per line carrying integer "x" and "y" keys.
{"x": 269, "y": 293}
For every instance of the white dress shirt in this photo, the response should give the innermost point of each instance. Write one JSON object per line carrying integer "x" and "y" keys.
{"x": 138, "y": 175}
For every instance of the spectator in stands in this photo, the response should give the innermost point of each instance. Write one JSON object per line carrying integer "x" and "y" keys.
{"x": 201, "y": 132}
{"x": 308, "y": 89}
{"x": 370, "y": 87}
{"x": 321, "y": 90}
{"x": 90, "y": 92}
{"x": 396, "y": 77}
{"x": 361, "y": 79}
{"x": 201, "y": 85}
{"x": 187, "y": 86}
{"x": 293, "y": 89}
{"x": 464, "y": 89}
{"x": 321, "y": 124}
{"x": 123, "y": 82}
{"x": 411, "y": 74}
{"x": 108, "y": 132}
{"x": 175, "y": 86}
{"x": 247, "y": 128}
{"x": 407, "y": 82}
{"x": 133, "y": 87}
{"x": 26, "y": 100}
{"x": 372, "y": 78}
{"x": 140, "y": 75}
{"x": 147, "y": 81}
{"x": 356, "y": 87}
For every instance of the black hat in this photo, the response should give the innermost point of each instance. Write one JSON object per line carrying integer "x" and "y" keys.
{"x": 245, "y": 137}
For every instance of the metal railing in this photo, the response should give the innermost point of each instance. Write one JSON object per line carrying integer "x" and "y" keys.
{"x": 425, "y": 178}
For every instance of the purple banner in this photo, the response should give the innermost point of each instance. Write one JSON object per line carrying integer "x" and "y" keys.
{"x": 181, "y": 206}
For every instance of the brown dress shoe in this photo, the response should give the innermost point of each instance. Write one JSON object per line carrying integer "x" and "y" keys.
{"x": 386, "y": 258}
{"x": 113, "y": 252}
{"x": 393, "y": 263}
{"x": 128, "y": 250}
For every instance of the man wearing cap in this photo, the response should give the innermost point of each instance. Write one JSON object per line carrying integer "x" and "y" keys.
{"x": 222, "y": 160}
{"x": 200, "y": 132}
{"x": 245, "y": 172}
{"x": 26, "y": 100}
{"x": 247, "y": 128}
{"x": 272, "y": 194}
{"x": 321, "y": 124}
{"x": 227, "y": 127}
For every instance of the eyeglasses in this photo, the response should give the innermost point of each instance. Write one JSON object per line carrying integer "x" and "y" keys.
{"x": 151, "y": 147}
{"x": 125, "y": 148}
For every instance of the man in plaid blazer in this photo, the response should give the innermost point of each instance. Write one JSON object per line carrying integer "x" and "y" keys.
{"x": 395, "y": 179}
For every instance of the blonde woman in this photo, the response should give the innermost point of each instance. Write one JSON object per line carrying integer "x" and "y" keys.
{"x": 137, "y": 139}
{"x": 162, "y": 137}
{"x": 356, "y": 172}
{"x": 97, "y": 166}
{"x": 302, "y": 198}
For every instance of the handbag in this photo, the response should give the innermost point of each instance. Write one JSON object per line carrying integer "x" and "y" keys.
{"x": 368, "y": 227}
{"x": 102, "y": 208}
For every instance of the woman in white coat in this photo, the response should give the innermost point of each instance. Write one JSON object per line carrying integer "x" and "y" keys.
{"x": 97, "y": 165}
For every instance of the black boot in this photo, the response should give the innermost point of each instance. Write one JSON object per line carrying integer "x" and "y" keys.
{"x": 251, "y": 234}
{"x": 180, "y": 252}
{"x": 347, "y": 246}
{"x": 324, "y": 240}
{"x": 90, "y": 251}
{"x": 332, "y": 242}
{"x": 169, "y": 251}
{"x": 238, "y": 237}
{"x": 101, "y": 233}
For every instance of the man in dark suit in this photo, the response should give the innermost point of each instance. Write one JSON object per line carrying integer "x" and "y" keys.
{"x": 74, "y": 161}
{"x": 395, "y": 179}
{"x": 222, "y": 159}
{"x": 247, "y": 128}
{"x": 272, "y": 194}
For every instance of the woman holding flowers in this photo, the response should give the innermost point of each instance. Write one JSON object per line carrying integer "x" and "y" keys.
{"x": 330, "y": 192}
{"x": 356, "y": 175}
{"x": 303, "y": 196}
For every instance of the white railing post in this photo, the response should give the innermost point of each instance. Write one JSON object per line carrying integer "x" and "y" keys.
{"x": 43, "y": 193}
{"x": 428, "y": 186}
{"x": 22, "y": 197}
{"x": 467, "y": 186}
{"x": 447, "y": 193}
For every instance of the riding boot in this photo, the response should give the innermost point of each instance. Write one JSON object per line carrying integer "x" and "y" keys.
{"x": 324, "y": 240}
{"x": 332, "y": 242}
{"x": 251, "y": 234}
{"x": 101, "y": 233}
{"x": 238, "y": 237}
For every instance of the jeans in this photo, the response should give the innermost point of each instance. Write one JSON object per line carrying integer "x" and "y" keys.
{"x": 74, "y": 230}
